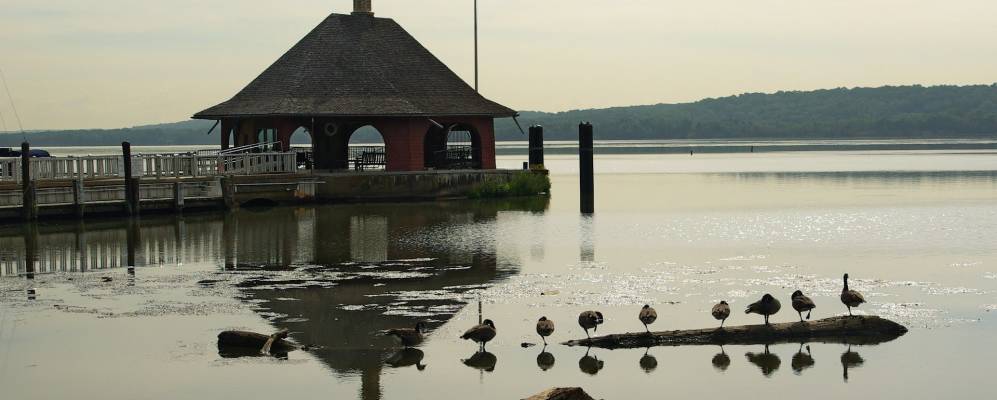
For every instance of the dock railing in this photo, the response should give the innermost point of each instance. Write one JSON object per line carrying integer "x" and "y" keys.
{"x": 151, "y": 166}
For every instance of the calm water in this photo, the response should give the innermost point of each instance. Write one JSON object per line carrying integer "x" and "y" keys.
{"x": 914, "y": 228}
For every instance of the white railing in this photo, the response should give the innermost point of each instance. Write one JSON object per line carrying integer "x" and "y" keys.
{"x": 151, "y": 166}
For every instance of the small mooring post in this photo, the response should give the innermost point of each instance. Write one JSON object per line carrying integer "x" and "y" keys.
{"x": 78, "y": 197}
{"x": 29, "y": 205}
{"x": 132, "y": 241}
{"x": 586, "y": 169}
{"x": 131, "y": 183}
{"x": 30, "y": 249}
{"x": 536, "y": 147}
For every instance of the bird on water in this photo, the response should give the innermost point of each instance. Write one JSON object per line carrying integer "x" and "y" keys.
{"x": 647, "y": 316}
{"x": 721, "y": 311}
{"x": 408, "y": 336}
{"x": 802, "y": 303}
{"x": 545, "y": 327}
{"x": 851, "y": 298}
{"x": 767, "y": 306}
{"x": 481, "y": 333}
{"x": 590, "y": 320}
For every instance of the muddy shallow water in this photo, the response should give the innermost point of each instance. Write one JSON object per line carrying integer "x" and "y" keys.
{"x": 914, "y": 229}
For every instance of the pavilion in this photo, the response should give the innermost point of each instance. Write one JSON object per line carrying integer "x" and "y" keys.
{"x": 357, "y": 70}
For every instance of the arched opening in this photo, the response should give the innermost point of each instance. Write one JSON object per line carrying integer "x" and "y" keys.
{"x": 301, "y": 143}
{"x": 456, "y": 146}
{"x": 366, "y": 150}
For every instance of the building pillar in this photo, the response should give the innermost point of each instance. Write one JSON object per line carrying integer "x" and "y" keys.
{"x": 285, "y": 128}
{"x": 227, "y": 126}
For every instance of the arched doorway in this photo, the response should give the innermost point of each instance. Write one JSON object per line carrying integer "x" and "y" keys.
{"x": 366, "y": 150}
{"x": 456, "y": 146}
{"x": 300, "y": 142}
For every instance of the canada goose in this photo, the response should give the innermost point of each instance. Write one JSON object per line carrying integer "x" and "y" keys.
{"x": 590, "y": 320}
{"x": 721, "y": 311}
{"x": 767, "y": 306}
{"x": 407, "y": 357}
{"x": 802, "y": 303}
{"x": 481, "y": 360}
{"x": 648, "y": 363}
{"x": 481, "y": 333}
{"x": 721, "y": 361}
{"x": 545, "y": 327}
{"x": 408, "y": 336}
{"x": 545, "y": 360}
{"x": 851, "y": 298}
{"x": 647, "y": 316}
{"x": 766, "y": 361}
{"x": 801, "y": 360}
{"x": 850, "y": 359}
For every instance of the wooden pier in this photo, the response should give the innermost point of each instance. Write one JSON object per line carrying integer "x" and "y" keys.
{"x": 85, "y": 185}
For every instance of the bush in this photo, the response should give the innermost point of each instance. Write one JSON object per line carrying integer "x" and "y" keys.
{"x": 522, "y": 184}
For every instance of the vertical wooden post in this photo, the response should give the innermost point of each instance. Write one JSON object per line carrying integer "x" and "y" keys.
{"x": 586, "y": 169}
{"x": 78, "y": 198}
{"x": 178, "y": 196}
{"x": 30, "y": 249}
{"x": 132, "y": 240}
{"x": 228, "y": 193}
{"x": 536, "y": 147}
{"x": 29, "y": 206}
{"x": 131, "y": 184}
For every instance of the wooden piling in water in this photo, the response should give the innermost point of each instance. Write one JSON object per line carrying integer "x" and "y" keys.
{"x": 178, "y": 197}
{"x": 132, "y": 240}
{"x": 29, "y": 203}
{"x": 536, "y": 147}
{"x": 131, "y": 184}
{"x": 78, "y": 198}
{"x": 586, "y": 168}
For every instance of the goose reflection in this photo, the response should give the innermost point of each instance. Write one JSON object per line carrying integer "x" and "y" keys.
{"x": 648, "y": 363}
{"x": 850, "y": 359}
{"x": 545, "y": 360}
{"x": 801, "y": 360}
{"x": 482, "y": 361}
{"x": 768, "y": 362}
{"x": 407, "y": 357}
{"x": 590, "y": 364}
{"x": 721, "y": 361}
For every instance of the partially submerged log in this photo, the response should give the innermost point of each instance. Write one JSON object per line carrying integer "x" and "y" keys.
{"x": 561, "y": 394}
{"x": 241, "y": 344}
{"x": 859, "y": 329}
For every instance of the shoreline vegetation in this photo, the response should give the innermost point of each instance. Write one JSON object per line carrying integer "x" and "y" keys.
{"x": 521, "y": 185}
{"x": 889, "y": 112}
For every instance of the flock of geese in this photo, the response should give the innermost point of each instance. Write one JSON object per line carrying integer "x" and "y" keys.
{"x": 590, "y": 320}
{"x": 766, "y": 307}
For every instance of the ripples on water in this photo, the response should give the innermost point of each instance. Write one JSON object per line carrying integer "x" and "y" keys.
{"x": 917, "y": 244}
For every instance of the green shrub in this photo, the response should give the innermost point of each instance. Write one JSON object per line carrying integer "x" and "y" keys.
{"x": 522, "y": 184}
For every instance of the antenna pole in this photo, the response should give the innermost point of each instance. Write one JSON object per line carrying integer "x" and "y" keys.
{"x": 475, "y": 45}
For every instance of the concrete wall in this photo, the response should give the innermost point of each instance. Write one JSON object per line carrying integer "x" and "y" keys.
{"x": 399, "y": 186}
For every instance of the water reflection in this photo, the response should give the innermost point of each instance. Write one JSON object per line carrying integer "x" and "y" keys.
{"x": 766, "y": 361}
{"x": 647, "y": 362}
{"x": 850, "y": 359}
{"x": 801, "y": 360}
{"x": 407, "y": 357}
{"x": 545, "y": 360}
{"x": 482, "y": 361}
{"x": 721, "y": 360}
{"x": 589, "y": 364}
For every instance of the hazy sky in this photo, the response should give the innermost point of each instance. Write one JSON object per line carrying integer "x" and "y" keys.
{"x": 113, "y": 63}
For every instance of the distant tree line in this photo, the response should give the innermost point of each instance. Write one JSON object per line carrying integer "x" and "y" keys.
{"x": 885, "y": 112}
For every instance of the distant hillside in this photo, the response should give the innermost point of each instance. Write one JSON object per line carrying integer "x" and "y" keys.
{"x": 886, "y": 112}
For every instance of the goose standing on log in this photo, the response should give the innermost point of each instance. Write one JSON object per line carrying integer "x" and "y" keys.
{"x": 481, "y": 333}
{"x": 408, "y": 336}
{"x": 721, "y": 311}
{"x": 647, "y": 316}
{"x": 767, "y": 306}
{"x": 851, "y": 298}
{"x": 590, "y": 320}
{"x": 545, "y": 327}
{"x": 802, "y": 303}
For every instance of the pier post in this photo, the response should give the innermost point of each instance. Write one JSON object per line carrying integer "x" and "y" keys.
{"x": 30, "y": 249}
{"x": 132, "y": 240}
{"x": 78, "y": 198}
{"x": 228, "y": 193}
{"x": 29, "y": 205}
{"x": 131, "y": 184}
{"x": 536, "y": 147}
{"x": 586, "y": 169}
{"x": 178, "y": 196}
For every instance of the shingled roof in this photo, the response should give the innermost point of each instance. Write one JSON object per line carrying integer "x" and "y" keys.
{"x": 356, "y": 65}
